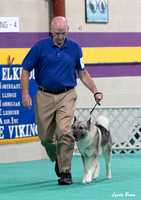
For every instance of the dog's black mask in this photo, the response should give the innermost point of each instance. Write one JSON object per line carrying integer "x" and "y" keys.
{"x": 80, "y": 128}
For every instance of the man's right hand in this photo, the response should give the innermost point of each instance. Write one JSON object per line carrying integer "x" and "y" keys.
{"x": 26, "y": 101}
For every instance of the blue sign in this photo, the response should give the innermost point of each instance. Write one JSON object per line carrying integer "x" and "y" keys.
{"x": 17, "y": 124}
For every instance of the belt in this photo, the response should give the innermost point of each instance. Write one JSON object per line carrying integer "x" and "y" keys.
{"x": 55, "y": 91}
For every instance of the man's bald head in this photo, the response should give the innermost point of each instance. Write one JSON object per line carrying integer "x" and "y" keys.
{"x": 59, "y": 29}
{"x": 59, "y": 22}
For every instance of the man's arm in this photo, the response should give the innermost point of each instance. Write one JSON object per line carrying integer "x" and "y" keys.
{"x": 89, "y": 83}
{"x": 26, "y": 99}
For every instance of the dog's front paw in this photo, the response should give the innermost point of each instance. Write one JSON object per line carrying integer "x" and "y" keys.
{"x": 86, "y": 180}
{"x": 108, "y": 177}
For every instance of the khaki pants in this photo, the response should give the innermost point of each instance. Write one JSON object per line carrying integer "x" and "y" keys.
{"x": 54, "y": 114}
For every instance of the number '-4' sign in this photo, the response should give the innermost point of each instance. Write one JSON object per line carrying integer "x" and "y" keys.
{"x": 9, "y": 24}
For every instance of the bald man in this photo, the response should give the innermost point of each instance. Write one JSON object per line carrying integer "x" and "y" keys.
{"x": 56, "y": 60}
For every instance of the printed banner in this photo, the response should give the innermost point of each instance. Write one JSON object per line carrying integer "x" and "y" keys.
{"x": 17, "y": 124}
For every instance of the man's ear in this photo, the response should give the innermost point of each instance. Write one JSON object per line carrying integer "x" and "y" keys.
{"x": 68, "y": 29}
{"x": 50, "y": 29}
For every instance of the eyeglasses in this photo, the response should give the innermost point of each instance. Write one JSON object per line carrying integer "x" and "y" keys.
{"x": 58, "y": 34}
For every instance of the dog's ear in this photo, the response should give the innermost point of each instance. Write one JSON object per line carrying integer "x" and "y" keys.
{"x": 89, "y": 122}
{"x": 75, "y": 119}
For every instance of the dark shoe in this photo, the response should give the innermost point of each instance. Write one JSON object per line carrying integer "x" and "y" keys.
{"x": 65, "y": 179}
{"x": 57, "y": 169}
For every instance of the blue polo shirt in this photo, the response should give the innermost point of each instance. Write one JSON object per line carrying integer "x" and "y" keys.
{"x": 55, "y": 67}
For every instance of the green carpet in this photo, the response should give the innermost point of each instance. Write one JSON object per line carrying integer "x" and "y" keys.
{"x": 36, "y": 180}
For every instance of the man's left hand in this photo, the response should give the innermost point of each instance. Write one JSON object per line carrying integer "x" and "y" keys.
{"x": 98, "y": 96}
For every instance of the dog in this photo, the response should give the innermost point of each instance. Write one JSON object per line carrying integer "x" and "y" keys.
{"x": 93, "y": 139}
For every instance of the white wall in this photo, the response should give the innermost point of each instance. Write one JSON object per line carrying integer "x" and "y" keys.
{"x": 124, "y": 16}
{"x": 34, "y": 15}
{"x": 22, "y": 152}
{"x": 120, "y": 91}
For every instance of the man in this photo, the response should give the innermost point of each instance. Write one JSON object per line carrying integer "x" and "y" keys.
{"x": 56, "y": 60}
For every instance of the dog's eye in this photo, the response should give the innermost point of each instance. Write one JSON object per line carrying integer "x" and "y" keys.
{"x": 73, "y": 127}
{"x": 81, "y": 127}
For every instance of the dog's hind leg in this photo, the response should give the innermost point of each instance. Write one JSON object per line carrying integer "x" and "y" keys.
{"x": 86, "y": 167}
{"x": 96, "y": 173}
{"x": 107, "y": 152}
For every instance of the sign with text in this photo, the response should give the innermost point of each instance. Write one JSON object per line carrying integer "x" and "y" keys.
{"x": 9, "y": 24}
{"x": 17, "y": 124}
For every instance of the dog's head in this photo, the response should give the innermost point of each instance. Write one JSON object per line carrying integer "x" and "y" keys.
{"x": 80, "y": 128}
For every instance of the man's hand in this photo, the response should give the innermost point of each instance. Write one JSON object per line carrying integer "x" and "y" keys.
{"x": 26, "y": 101}
{"x": 98, "y": 96}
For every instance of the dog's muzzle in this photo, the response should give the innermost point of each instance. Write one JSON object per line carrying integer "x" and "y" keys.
{"x": 77, "y": 137}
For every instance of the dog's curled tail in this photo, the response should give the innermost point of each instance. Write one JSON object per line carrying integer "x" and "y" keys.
{"x": 103, "y": 121}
